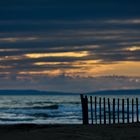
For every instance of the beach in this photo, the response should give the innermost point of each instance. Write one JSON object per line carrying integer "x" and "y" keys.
{"x": 70, "y": 132}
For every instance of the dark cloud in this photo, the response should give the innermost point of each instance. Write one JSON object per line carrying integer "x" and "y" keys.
{"x": 70, "y": 9}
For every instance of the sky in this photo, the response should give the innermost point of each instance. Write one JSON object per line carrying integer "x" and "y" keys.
{"x": 70, "y": 45}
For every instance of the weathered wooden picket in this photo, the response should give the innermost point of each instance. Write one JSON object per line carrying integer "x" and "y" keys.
{"x": 97, "y": 110}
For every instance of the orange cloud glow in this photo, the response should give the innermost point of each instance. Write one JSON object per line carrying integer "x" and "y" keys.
{"x": 90, "y": 69}
{"x": 61, "y": 54}
{"x": 51, "y": 73}
{"x": 134, "y": 48}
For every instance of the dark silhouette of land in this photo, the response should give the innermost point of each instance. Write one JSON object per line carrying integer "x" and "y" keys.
{"x": 37, "y": 92}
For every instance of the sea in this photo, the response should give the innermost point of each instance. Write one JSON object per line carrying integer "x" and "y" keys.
{"x": 44, "y": 109}
{"x": 40, "y": 109}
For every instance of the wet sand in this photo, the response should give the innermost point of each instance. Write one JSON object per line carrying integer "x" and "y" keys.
{"x": 70, "y": 132}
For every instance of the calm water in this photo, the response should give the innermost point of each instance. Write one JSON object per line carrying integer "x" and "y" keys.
{"x": 42, "y": 109}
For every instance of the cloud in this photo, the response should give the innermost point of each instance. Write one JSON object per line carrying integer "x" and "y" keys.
{"x": 124, "y": 21}
{"x": 17, "y": 39}
{"x": 75, "y": 39}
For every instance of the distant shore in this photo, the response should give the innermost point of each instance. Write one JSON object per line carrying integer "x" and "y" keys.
{"x": 70, "y": 132}
{"x": 58, "y": 93}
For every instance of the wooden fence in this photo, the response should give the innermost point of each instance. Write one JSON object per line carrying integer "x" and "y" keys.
{"x": 97, "y": 110}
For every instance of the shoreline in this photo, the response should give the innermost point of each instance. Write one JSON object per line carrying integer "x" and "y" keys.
{"x": 70, "y": 132}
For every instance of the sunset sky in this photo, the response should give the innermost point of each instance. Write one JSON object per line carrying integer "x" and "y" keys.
{"x": 69, "y": 45}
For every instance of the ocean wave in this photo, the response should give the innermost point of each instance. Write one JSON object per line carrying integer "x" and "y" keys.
{"x": 39, "y": 102}
{"x": 46, "y": 107}
{"x": 51, "y": 102}
{"x": 15, "y": 119}
{"x": 40, "y": 115}
{"x": 32, "y": 107}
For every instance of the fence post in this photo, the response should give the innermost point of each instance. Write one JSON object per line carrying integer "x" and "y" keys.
{"x": 91, "y": 109}
{"x": 109, "y": 117}
{"x": 84, "y": 102}
{"x": 100, "y": 111}
{"x": 137, "y": 109}
{"x": 132, "y": 110}
{"x": 95, "y": 103}
{"x": 118, "y": 110}
{"x": 127, "y": 110}
{"x": 86, "y": 110}
{"x": 83, "y": 111}
{"x": 104, "y": 111}
{"x": 123, "y": 110}
{"x": 114, "y": 111}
